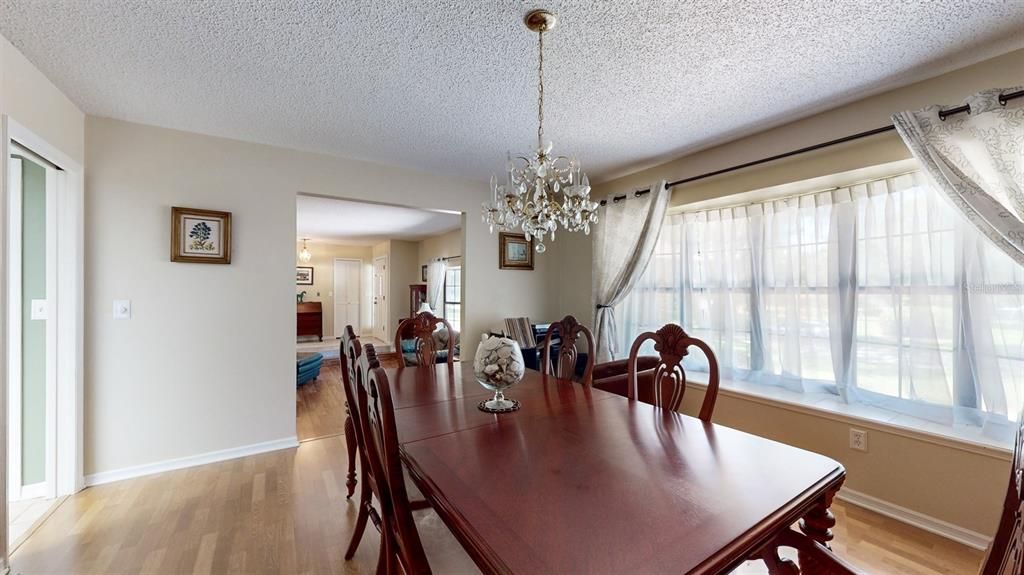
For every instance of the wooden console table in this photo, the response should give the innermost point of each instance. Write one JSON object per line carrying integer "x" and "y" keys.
{"x": 310, "y": 319}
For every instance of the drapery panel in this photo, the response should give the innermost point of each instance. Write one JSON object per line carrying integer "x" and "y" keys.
{"x": 435, "y": 286}
{"x": 622, "y": 247}
{"x": 977, "y": 161}
{"x": 878, "y": 292}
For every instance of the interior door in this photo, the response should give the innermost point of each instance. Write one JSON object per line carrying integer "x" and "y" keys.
{"x": 31, "y": 333}
{"x": 346, "y": 295}
{"x": 380, "y": 307}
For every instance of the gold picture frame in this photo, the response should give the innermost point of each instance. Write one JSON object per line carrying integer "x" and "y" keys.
{"x": 515, "y": 252}
{"x": 200, "y": 236}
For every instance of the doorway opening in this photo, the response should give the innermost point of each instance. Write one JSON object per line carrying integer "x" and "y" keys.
{"x": 364, "y": 265}
{"x": 42, "y": 329}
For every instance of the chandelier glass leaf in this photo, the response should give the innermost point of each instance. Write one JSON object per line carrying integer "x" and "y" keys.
{"x": 541, "y": 192}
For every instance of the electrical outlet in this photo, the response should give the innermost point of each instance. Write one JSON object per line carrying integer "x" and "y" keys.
{"x": 858, "y": 439}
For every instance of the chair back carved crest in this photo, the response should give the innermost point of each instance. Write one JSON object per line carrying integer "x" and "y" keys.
{"x": 350, "y": 354}
{"x": 569, "y": 331}
{"x": 1005, "y": 556}
{"x": 422, "y": 327}
{"x": 399, "y": 539}
{"x": 669, "y": 378}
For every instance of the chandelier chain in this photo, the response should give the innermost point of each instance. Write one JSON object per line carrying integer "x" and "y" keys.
{"x": 540, "y": 90}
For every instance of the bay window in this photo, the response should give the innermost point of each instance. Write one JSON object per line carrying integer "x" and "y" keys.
{"x": 876, "y": 292}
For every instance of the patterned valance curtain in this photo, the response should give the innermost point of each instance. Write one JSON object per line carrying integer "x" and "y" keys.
{"x": 976, "y": 160}
{"x": 623, "y": 244}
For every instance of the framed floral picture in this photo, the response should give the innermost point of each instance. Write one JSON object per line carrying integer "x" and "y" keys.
{"x": 200, "y": 236}
{"x": 303, "y": 276}
{"x": 515, "y": 252}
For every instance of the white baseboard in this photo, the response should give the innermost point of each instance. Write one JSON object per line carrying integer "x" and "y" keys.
{"x": 191, "y": 461}
{"x": 920, "y": 520}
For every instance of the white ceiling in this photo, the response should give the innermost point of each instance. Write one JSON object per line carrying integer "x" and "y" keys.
{"x": 360, "y": 223}
{"x": 449, "y": 86}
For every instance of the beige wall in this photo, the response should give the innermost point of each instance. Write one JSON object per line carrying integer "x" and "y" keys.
{"x": 441, "y": 246}
{"x": 212, "y": 345}
{"x": 404, "y": 256}
{"x": 27, "y": 96}
{"x": 30, "y": 99}
{"x": 322, "y": 289}
{"x": 960, "y": 487}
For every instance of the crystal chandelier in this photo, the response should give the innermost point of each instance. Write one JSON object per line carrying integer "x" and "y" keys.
{"x": 305, "y": 254}
{"x": 541, "y": 191}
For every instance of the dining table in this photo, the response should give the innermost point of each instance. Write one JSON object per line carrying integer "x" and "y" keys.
{"x": 580, "y": 480}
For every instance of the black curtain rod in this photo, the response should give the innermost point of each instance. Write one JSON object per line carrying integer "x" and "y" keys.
{"x": 943, "y": 114}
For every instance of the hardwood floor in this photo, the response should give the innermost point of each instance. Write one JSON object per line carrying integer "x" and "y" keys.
{"x": 320, "y": 404}
{"x": 286, "y": 512}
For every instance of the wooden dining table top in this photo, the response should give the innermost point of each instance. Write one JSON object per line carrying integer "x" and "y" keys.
{"x": 580, "y": 480}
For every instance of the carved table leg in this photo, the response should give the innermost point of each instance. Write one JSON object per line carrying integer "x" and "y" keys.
{"x": 778, "y": 565}
{"x": 350, "y": 443}
{"x": 817, "y": 525}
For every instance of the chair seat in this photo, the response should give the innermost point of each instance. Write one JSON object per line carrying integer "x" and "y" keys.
{"x": 411, "y": 359}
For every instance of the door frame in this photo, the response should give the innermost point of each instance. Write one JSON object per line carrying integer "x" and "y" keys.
{"x": 66, "y": 310}
{"x": 334, "y": 300}
{"x": 380, "y": 331}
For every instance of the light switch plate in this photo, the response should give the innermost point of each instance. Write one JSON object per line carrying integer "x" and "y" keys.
{"x": 122, "y": 309}
{"x": 39, "y": 309}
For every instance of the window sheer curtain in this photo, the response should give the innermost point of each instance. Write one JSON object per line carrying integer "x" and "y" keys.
{"x": 435, "y": 285}
{"x": 877, "y": 292}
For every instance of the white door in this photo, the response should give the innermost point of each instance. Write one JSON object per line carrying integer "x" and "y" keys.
{"x": 380, "y": 304}
{"x": 346, "y": 295}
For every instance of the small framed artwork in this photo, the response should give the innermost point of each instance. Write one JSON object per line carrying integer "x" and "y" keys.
{"x": 303, "y": 276}
{"x": 423, "y": 274}
{"x": 200, "y": 236}
{"x": 515, "y": 252}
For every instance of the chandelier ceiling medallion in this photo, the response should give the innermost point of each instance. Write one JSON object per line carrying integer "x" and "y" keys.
{"x": 541, "y": 191}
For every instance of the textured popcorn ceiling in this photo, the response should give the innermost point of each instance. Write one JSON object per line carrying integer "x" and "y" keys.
{"x": 449, "y": 86}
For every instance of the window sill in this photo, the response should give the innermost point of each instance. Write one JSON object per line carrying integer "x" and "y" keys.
{"x": 828, "y": 406}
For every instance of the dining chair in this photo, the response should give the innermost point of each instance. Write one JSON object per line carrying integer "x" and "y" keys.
{"x": 422, "y": 327}
{"x": 349, "y": 361}
{"x": 360, "y": 360}
{"x": 668, "y": 381}
{"x": 400, "y": 542}
{"x": 352, "y": 372}
{"x": 569, "y": 331}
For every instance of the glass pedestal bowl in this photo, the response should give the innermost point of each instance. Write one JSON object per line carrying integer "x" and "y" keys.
{"x": 498, "y": 365}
